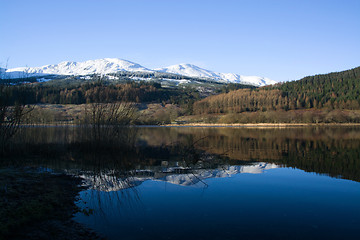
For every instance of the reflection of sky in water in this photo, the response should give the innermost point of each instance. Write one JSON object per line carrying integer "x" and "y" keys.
{"x": 181, "y": 183}
{"x": 280, "y": 203}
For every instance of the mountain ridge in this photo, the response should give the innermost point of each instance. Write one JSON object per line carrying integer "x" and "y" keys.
{"x": 112, "y": 65}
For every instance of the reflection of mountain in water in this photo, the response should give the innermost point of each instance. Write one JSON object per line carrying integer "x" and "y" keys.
{"x": 333, "y": 151}
{"x": 179, "y": 175}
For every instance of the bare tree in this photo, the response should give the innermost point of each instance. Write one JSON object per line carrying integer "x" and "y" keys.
{"x": 107, "y": 119}
{"x": 11, "y": 112}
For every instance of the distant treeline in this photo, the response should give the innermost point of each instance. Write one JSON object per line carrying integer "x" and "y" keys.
{"x": 339, "y": 90}
{"x": 98, "y": 92}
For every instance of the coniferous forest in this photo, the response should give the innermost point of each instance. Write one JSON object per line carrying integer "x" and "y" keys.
{"x": 314, "y": 96}
{"x": 339, "y": 90}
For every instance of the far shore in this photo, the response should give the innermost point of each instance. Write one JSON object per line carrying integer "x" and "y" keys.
{"x": 247, "y": 125}
{"x": 261, "y": 125}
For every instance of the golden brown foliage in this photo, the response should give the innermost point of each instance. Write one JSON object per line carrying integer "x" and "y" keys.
{"x": 244, "y": 100}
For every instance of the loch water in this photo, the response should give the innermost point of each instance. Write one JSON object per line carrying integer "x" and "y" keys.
{"x": 213, "y": 182}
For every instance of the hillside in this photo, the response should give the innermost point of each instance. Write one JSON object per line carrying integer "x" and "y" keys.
{"x": 313, "y": 96}
{"x": 195, "y": 71}
{"x": 333, "y": 90}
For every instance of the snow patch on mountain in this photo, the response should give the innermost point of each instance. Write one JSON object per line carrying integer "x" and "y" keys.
{"x": 195, "y": 71}
{"x": 188, "y": 70}
{"x": 99, "y": 66}
{"x": 113, "y": 65}
{"x": 252, "y": 80}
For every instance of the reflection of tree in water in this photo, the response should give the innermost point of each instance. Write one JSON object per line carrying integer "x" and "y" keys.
{"x": 329, "y": 150}
{"x": 332, "y": 151}
{"x": 114, "y": 167}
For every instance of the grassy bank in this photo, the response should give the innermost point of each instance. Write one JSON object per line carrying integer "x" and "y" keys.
{"x": 308, "y": 116}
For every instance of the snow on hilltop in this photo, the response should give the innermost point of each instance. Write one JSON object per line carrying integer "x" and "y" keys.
{"x": 113, "y": 65}
{"x": 99, "y": 66}
{"x": 195, "y": 71}
{"x": 188, "y": 70}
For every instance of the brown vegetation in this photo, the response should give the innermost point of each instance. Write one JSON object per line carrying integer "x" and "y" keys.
{"x": 271, "y": 106}
{"x": 242, "y": 100}
{"x": 10, "y": 117}
{"x": 106, "y": 120}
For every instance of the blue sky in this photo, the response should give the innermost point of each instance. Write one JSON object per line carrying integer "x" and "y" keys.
{"x": 279, "y": 39}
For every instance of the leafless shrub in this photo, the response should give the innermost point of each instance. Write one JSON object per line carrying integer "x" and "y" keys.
{"x": 10, "y": 117}
{"x": 11, "y": 112}
{"x": 106, "y": 120}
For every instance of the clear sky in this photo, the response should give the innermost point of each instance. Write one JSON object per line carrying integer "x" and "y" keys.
{"x": 279, "y": 39}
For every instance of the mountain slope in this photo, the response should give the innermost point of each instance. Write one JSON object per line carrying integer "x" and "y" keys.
{"x": 195, "y": 71}
{"x": 338, "y": 90}
{"x": 188, "y": 70}
{"x": 333, "y": 90}
{"x": 99, "y": 66}
{"x": 252, "y": 80}
{"x": 113, "y": 65}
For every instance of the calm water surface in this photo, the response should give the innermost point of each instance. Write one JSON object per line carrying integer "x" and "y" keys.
{"x": 219, "y": 183}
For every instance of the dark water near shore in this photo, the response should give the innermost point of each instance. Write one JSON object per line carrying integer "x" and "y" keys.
{"x": 210, "y": 183}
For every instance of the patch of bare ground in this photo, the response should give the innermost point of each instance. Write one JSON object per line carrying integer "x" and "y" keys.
{"x": 38, "y": 205}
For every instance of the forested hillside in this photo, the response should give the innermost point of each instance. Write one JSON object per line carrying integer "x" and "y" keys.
{"x": 333, "y": 90}
{"x": 98, "y": 90}
{"x": 340, "y": 90}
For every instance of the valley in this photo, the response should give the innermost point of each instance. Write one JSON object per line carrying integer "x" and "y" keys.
{"x": 165, "y": 97}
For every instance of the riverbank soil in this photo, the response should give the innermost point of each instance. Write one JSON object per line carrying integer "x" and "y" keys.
{"x": 39, "y": 205}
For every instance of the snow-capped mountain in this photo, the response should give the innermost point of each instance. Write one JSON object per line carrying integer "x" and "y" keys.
{"x": 113, "y": 65}
{"x": 195, "y": 71}
{"x": 99, "y": 66}
{"x": 188, "y": 70}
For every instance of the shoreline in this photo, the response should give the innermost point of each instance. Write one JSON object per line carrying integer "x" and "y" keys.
{"x": 42, "y": 204}
{"x": 264, "y": 125}
{"x": 245, "y": 125}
